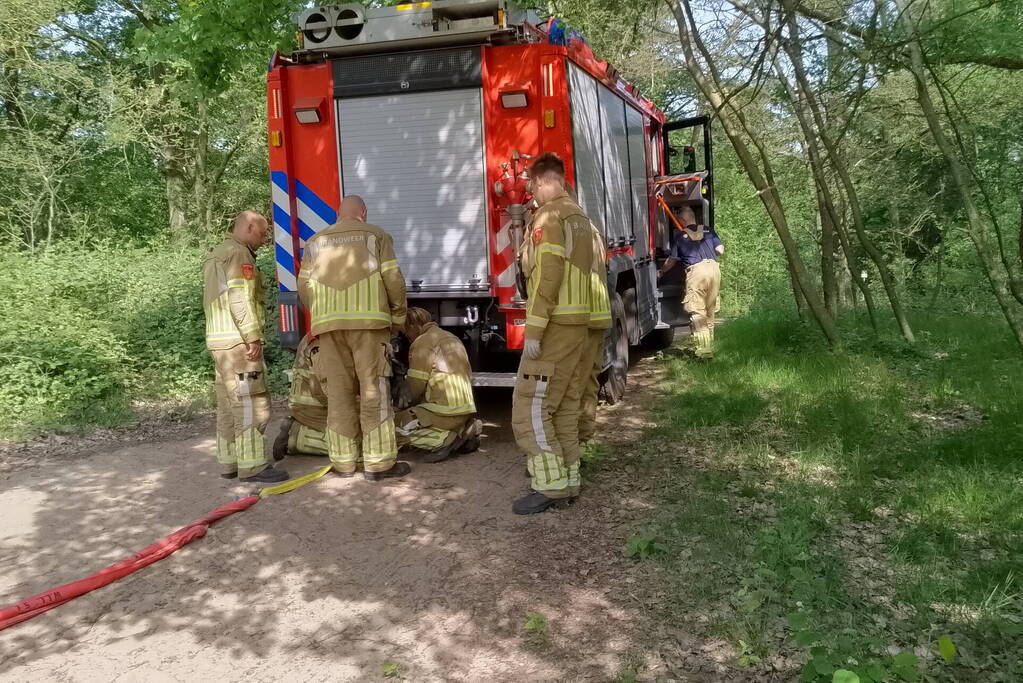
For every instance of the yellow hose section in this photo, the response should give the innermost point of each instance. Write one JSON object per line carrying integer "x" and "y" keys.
{"x": 294, "y": 483}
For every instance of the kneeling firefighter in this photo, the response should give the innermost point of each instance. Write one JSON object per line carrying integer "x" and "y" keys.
{"x": 304, "y": 431}
{"x": 442, "y": 419}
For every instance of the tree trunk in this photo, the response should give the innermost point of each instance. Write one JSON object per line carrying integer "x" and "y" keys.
{"x": 731, "y": 120}
{"x": 177, "y": 203}
{"x": 797, "y": 293}
{"x": 993, "y": 267}
{"x": 828, "y": 279}
{"x": 826, "y": 203}
{"x": 792, "y": 48}
{"x": 180, "y": 186}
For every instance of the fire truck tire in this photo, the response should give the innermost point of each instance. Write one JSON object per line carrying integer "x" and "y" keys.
{"x": 658, "y": 340}
{"x": 614, "y": 379}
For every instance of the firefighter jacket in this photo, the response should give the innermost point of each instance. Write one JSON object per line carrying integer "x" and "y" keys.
{"x": 600, "y": 305}
{"x": 439, "y": 374}
{"x": 350, "y": 279}
{"x": 232, "y": 296}
{"x": 307, "y": 400}
{"x": 556, "y": 257}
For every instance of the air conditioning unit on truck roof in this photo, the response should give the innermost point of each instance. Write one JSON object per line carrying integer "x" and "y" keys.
{"x": 431, "y": 111}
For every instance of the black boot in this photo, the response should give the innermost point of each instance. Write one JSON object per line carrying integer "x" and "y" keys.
{"x": 472, "y": 438}
{"x": 444, "y": 452}
{"x": 399, "y": 469}
{"x": 532, "y": 504}
{"x": 229, "y": 475}
{"x": 270, "y": 475}
{"x": 280, "y": 449}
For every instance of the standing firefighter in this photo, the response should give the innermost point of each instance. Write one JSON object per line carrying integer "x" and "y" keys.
{"x": 556, "y": 259}
{"x": 600, "y": 322}
{"x": 233, "y": 302}
{"x": 355, "y": 293}
{"x": 304, "y": 432}
{"x": 442, "y": 420}
{"x": 698, "y": 247}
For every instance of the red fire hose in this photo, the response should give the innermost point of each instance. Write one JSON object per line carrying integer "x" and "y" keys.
{"x": 37, "y": 604}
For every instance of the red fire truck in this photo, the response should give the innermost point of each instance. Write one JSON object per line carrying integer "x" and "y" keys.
{"x": 431, "y": 111}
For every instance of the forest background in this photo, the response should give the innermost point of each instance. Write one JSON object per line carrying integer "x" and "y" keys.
{"x": 847, "y": 503}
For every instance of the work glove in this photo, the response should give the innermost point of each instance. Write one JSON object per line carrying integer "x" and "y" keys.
{"x": 532, "y": 349}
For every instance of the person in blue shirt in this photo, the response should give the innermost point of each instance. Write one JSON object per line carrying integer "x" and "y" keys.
{"x": 697, "y": 248}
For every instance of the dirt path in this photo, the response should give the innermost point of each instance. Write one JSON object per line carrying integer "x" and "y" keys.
{"x": 334, "y": 581}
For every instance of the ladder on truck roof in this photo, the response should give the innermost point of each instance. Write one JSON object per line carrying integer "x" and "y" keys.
{"x": 352, "y": 29}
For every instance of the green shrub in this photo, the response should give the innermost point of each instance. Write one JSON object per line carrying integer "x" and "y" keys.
{"x": 88, "y": 332}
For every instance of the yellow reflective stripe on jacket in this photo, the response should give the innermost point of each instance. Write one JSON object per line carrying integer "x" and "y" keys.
{"x": 547, "y": 248}
{"x": 449, "y": 394}
{"x": 237, "y": 282}
{"x": 536, "y": 322}
{"x": 574, "y": 295}
{"x": 220, "y": 325}
{"x": 388, "y": 265}
{"x": 360, "y": 301}
{"x": 419, "y": 374}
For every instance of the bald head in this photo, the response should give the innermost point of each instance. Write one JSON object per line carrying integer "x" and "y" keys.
{"x": 250, "y": 228}
{"x": 352, "y": 206}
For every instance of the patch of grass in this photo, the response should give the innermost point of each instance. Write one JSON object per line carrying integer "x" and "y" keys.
{"x": 874, "y": 492}
{"x": 593, "y": 454}
{"x": 393, "y": 671}
{"x": 536, "y": 630}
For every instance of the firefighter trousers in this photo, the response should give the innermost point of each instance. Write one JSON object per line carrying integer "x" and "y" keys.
{"x": 423, "y": 429}
{"x": 594, "y": 353}
{"x": 305, "y": 440}
{"x": 703, "y": 283}
{"x": 545, "y": 409}
{"x": 243, "y": 411}
{"x": 354, "y": 367}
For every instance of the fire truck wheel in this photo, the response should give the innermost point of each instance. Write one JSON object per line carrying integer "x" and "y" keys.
{"x": 616, "y": 376}
{"x": 658, "y": 340}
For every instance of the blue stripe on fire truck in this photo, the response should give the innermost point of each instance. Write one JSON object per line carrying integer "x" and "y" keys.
{"x": 314, "y": 215}
{"x": 283, "y": 243}
{"x": 313, "y": 211}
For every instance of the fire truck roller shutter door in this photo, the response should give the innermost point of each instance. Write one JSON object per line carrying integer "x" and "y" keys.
{"x": 588, "y": 149}
{"x": 417, "y": 160}
{"x": 618, "y": 194}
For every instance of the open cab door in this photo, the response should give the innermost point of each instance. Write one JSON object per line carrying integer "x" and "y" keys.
{"x": 689, "y": 182}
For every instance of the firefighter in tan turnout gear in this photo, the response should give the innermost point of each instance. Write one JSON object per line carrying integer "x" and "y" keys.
{"x": 442, "y": 419}
{"x": 556, "y": 258}
{"x": 600, "y": 322}
{"x": 304, "y": 432}
{"x": 233, "y": 303}
{"x": 355, "y": 294}
{"x": 697, "y": 248}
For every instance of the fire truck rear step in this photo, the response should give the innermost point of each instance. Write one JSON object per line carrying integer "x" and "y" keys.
{"x": 493, "y": 379}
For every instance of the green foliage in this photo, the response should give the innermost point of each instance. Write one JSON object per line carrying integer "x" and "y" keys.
{"x": 865, "y": 500}
{"x": 88, "y": 332}
{"x": 536, "y": 630}
{"x": 642, "y": 547}
{"x": 393, "y": 671}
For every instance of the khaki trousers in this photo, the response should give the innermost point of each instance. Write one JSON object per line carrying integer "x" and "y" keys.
{"x": 243, "y": 411}
{"x": 703, "y": 283}
{"x": 545, "y": 409}
{"x": 354, "y": 369}
{"x": 423, "y": 429}
{"x": 588, "y": 405}
{"x": 303, "y": 440}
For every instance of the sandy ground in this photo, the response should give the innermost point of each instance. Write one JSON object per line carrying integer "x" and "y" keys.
{"x": 334, "y": 581}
